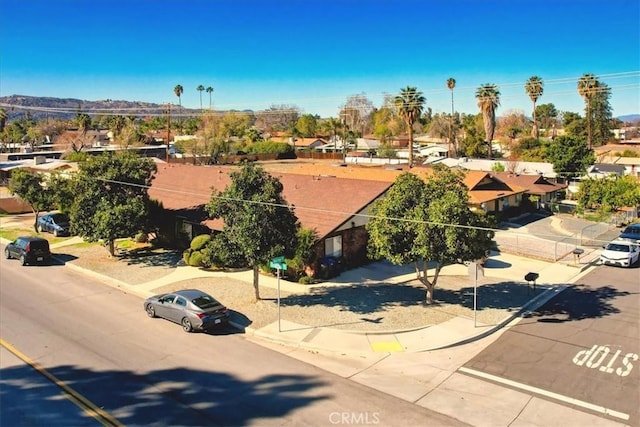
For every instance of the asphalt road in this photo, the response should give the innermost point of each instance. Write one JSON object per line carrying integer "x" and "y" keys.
{"x": 580, "y": 349}
{"x": 98, "y": 344}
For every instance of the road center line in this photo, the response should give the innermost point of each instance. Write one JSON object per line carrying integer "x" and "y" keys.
{"x": 79, "y": 400}
{"x": 549, "y": 394}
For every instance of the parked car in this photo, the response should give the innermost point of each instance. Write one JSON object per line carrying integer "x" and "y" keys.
{"x": 56, "y": 223}
{"x": 631, "y": 233}
{"x": 29, "y": 250}
{"x": 620, "y": 252}
{"x": 191, "y": 308}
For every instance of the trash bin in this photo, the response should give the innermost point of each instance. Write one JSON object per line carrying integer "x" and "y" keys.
{"x": 328, "y": 267}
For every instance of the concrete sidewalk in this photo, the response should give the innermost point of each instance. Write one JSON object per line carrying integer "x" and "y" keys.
{"x": 553, "y": 278}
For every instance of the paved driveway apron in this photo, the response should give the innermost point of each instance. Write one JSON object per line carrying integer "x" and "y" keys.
{"x": 581, "y": 348}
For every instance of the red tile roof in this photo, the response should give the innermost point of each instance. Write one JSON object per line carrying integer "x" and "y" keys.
{"x": 321, "y": 202}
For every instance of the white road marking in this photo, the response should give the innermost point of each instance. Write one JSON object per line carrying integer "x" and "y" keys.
{"x": 556, "y": 396}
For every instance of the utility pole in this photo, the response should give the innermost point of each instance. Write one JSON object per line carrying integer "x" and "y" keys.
{"x": 168, "y": 132}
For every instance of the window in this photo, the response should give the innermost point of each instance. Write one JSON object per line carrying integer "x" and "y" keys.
{"x": 181, "y": 302}
{"x": 333, "y": 246}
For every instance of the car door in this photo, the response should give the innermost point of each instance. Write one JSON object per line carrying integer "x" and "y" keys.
{"x": 163, "y": 308}
{"x": 46, "y": 224}
{"x": 17, "y": 248}
{"x": 180, "y": 305}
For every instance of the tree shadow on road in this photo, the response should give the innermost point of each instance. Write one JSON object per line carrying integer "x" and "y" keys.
{"x": 579, "y": 302}
{"x": 178, "y": 396}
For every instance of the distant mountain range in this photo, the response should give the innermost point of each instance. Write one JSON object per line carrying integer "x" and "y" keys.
{"x": 630, "y": 118}
{"x": 40, "y": 107}
{"x": 66, "y": 108}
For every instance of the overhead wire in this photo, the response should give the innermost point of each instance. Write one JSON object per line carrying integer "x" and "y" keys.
{"x": 161, "y": 109}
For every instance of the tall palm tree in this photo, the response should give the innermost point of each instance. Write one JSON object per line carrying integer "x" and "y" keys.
{"x": 179, "y": 90}
{"x": 534, "y": 88}
{"x": 410, "y": 103}
{"x": 587, "y": 88}
{"x": 209, "y": 90}
{"x": 451, "y": 83}
{"x": 488, "y": 97}
{"x": 200, "y": 88}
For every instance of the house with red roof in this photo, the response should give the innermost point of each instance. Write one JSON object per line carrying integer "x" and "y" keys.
{"x": 336, "y": 208}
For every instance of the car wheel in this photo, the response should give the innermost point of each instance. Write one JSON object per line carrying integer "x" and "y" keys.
{"x": 7, "y": 253}
{"x": 55, "y": 233}
{"x": 186, "y": 325}
{"x": 40, "y": 229}
{"x": 151, "y": 312}
{"x": 23, "y": 260}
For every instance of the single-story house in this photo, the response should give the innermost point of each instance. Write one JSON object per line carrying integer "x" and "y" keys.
{"x": 336, "y": 208}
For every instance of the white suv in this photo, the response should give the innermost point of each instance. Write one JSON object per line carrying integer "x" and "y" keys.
{"x": 620, "y": 252}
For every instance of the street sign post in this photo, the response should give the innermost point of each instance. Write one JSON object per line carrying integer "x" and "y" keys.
{"x": 279, "y": 264}
{"x": 476, "y": 270}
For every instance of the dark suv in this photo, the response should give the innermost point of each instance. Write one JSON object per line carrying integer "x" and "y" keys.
{"x": 29, "y": 250}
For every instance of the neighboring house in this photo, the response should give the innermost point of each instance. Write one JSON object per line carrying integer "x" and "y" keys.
{"x": 604, "y": 170}
{"x": 308, "y": 143}
{"x": 513, "y": 166}
{"x": 334, "y": 207}
{"x": 544, "y": 190}
{"x": 491, "y": 194}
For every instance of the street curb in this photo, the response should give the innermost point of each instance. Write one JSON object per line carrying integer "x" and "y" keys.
{"x": 533, "y": 304}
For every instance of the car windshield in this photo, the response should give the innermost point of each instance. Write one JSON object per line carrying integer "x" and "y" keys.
{"x": 59, "y": 218}
{"x": 617, "y": 247}
{"x": 205, "y": 301}
{"x": 632, "y": 230}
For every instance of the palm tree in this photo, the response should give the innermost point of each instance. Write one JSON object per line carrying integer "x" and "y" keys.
{"x": 534, "y": 88}
{"x": 179, "y": 90}
{"x": 488, "y": 97}
{"x": 451, "y": 83}
{"x": 410, "y": 103}
{"x": 587, "y": 88}
{"x": 333, "y": 125}
{"x": 200, "y": 88}
{"x": 209, "y": 91}
{"x": 3, "y": 119}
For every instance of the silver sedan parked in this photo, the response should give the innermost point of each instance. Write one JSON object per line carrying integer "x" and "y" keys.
{"x": 191, "y": 308}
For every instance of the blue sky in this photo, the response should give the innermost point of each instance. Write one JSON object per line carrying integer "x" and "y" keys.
{"x": 314, "y": 54}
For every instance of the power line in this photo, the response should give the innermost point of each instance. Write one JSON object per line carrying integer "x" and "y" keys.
{"x": 320, "y": 210}
{"x": 161, "y": 109}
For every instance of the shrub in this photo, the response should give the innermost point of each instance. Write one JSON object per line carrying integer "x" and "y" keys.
{"x": 199, "y": 242}
{"x": 195, "y": 260}
{"x": 305, "y": 280}
{"x": 186, "y": 255}
{"x": 141, "y": 238}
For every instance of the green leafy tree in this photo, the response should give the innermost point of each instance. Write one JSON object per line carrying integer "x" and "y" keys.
{"x": 570, "y": 156}
{"x": 257, "y": 220}
{"x": 307, "y": 125}
{"x": 472, "y": 144}
{"x": 111, "y": 197}
{"x": 547, "y": 115}
{"x": 410, "y": 104}
{"x": 602, "y": 116}
{"x": 488, "y": 97}
{"x": 428, "y": 223}
{"x": 31, "y": 188}
{"x": 534, "y": 88}
{"x": 609, "y": 194}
